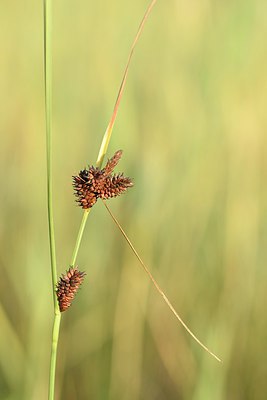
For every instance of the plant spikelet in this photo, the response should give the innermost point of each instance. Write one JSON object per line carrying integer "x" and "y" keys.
{"x": 94, "y": 183}
{"x": 67, "y": 287}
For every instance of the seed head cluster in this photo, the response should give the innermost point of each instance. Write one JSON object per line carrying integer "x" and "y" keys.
{"x": 67, "y": 287}
{"x": 94, "y": 183}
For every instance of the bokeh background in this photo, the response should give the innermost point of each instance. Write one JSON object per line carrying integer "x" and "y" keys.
{"x": 192, "y": 125}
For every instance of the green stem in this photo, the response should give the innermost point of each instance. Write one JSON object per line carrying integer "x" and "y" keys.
{"x": 79, "y": 237}
{"x": 48, "y": 120}
{"x": 53, "y": 358}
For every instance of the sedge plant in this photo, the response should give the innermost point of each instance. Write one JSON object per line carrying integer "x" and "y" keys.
{"x": 89, "y": 185}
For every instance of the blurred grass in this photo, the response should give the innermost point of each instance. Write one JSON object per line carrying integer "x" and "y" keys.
{"x": 192, "y": 126}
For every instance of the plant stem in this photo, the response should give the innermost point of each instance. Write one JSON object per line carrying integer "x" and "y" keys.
{"x": 48, "y": 119}
{"x": 108, "y": 132}
{"x": 53, "y": 359}
{"x": 79, "y": 237}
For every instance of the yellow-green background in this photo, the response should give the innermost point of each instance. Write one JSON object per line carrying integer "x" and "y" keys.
{"x": 192, "y": 125}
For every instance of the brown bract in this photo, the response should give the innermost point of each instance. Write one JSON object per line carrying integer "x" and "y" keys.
{"x": 94, "y": 183}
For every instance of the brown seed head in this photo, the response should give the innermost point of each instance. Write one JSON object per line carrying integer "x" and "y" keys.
{"x": 94, "y": 183}
{"x": 67, "y": 287}
{"x": 115, "y": 185}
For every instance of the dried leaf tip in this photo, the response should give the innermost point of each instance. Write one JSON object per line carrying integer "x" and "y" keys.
{"x": 94, "y": 183}
{"x": 67, "y": 287}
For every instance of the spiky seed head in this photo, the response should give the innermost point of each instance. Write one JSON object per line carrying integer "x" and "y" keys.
{"x": 67, "y": 287}
{"x": 93, "y": 183}
{"x": 115, "y": 185}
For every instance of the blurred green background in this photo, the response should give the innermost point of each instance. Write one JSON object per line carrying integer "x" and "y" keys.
{"x": 192, "y": 125}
